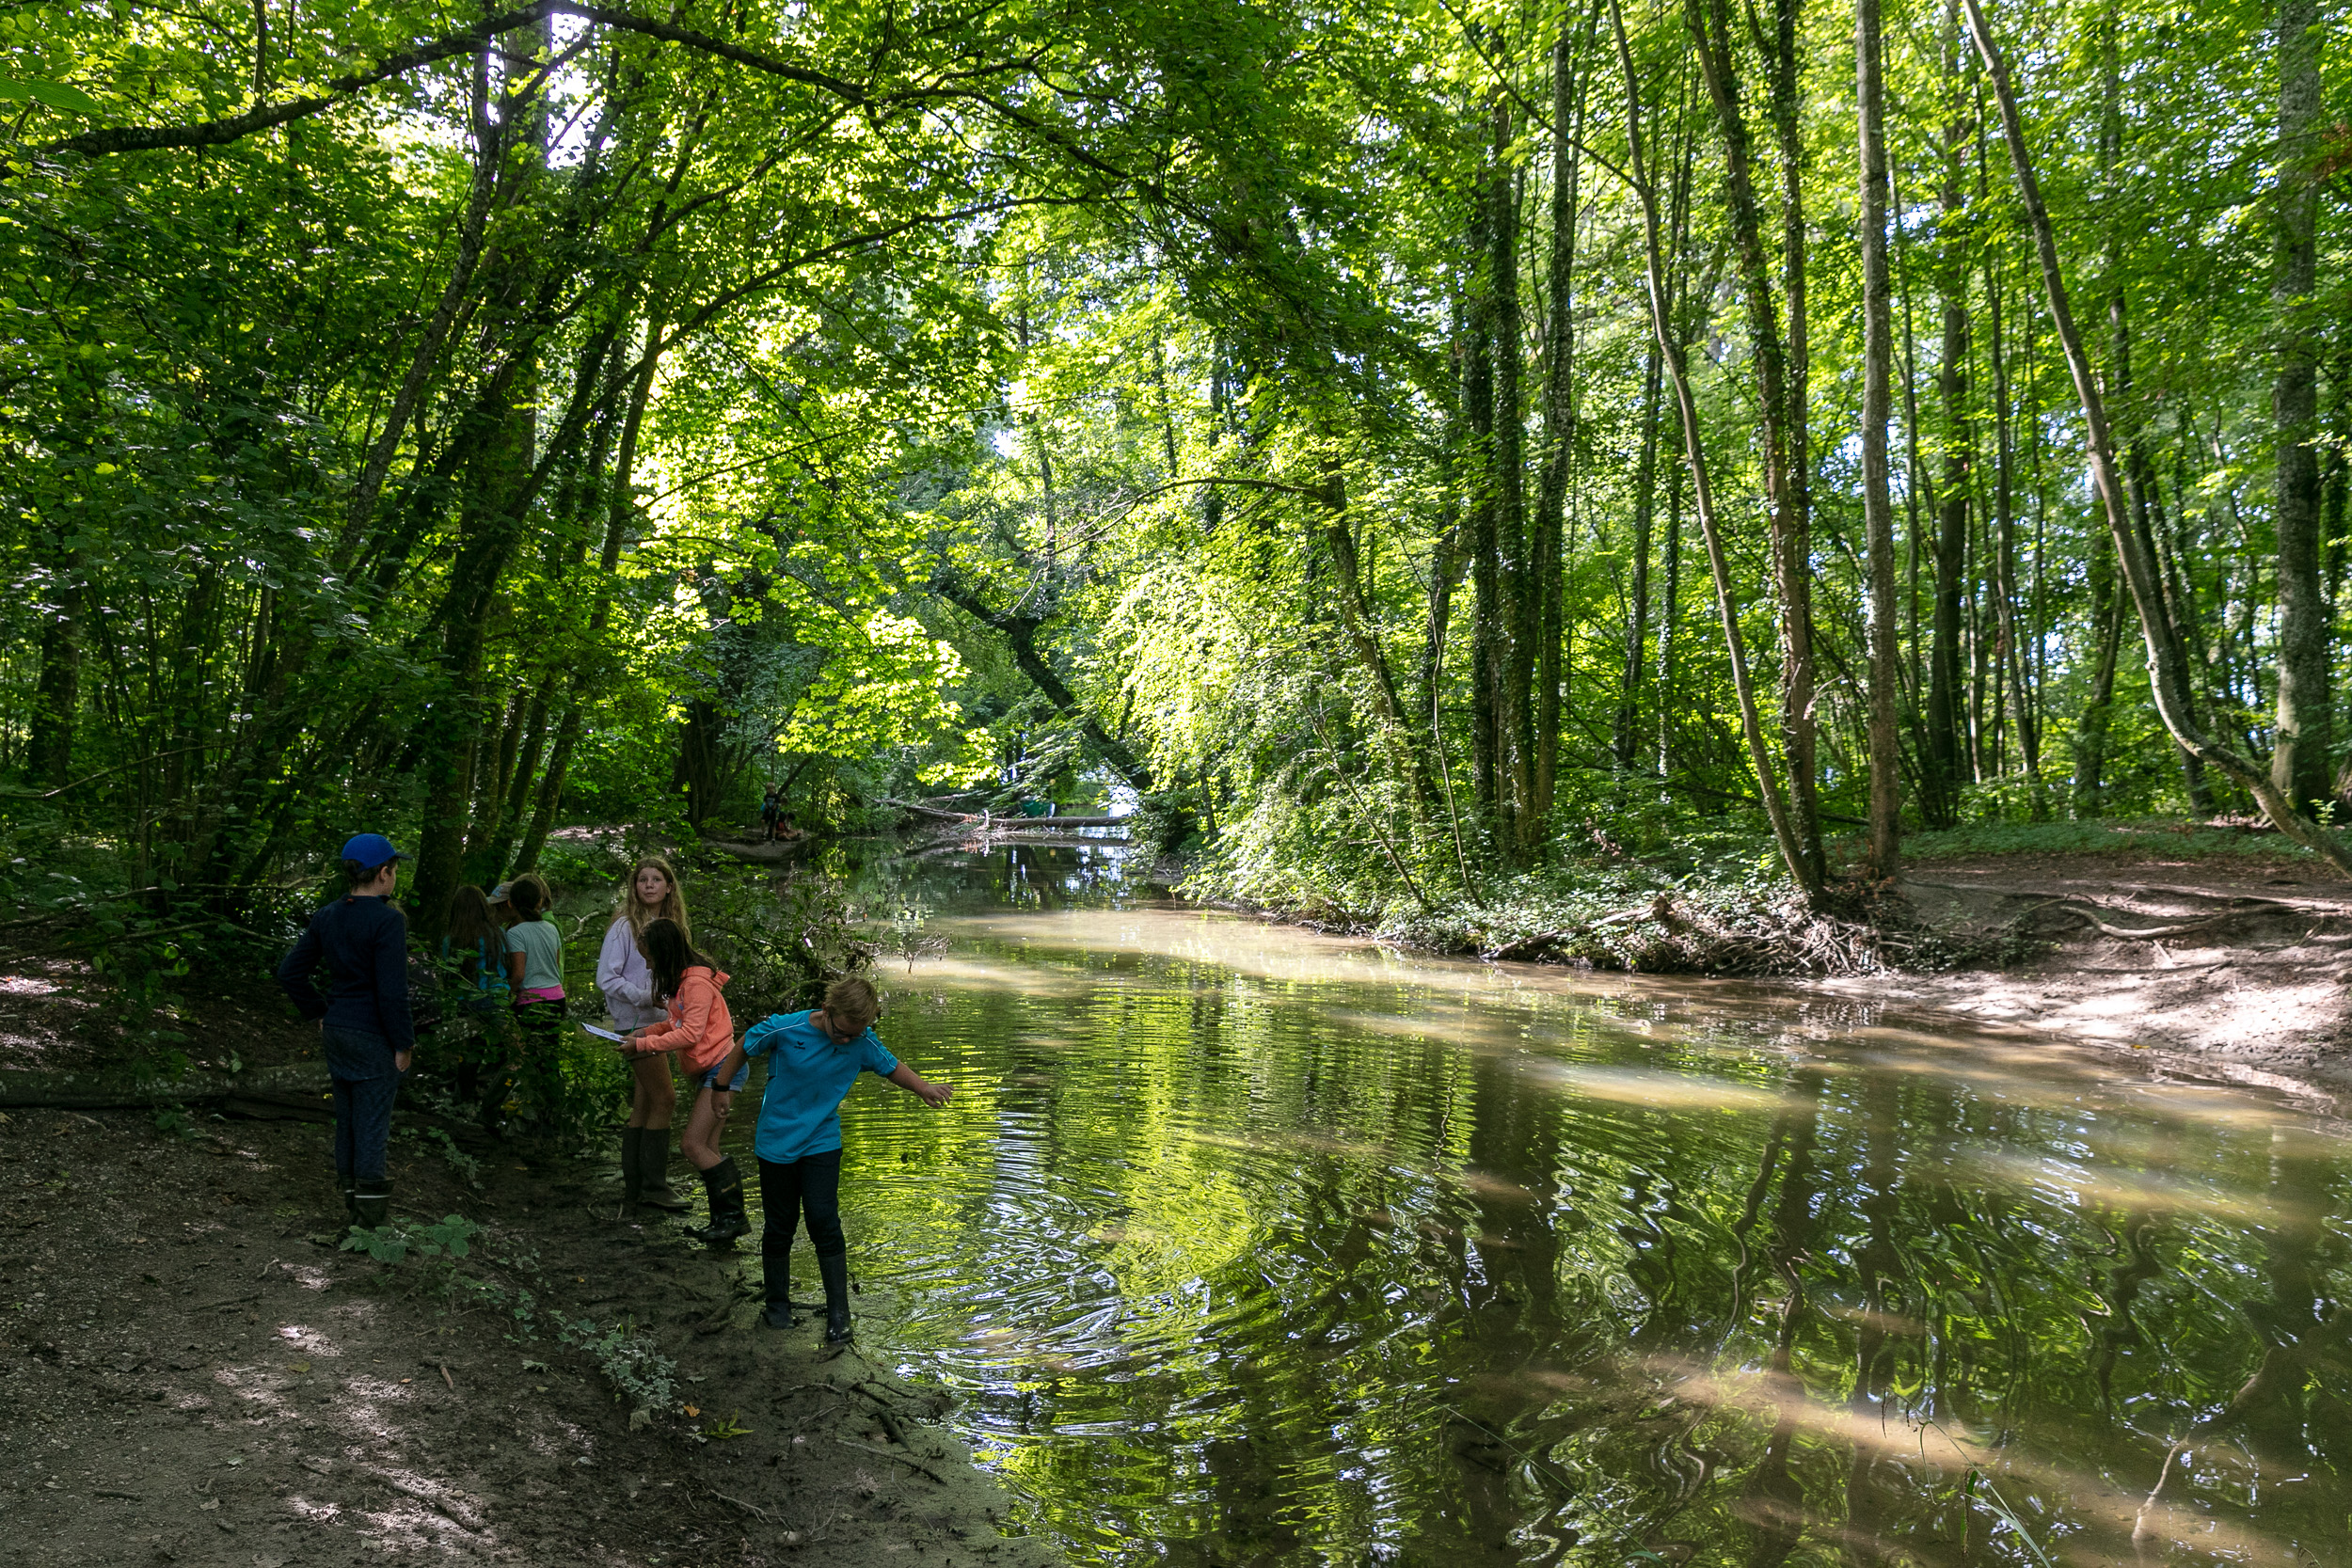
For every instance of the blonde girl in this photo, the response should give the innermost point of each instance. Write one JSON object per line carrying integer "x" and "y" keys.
{"x": 650, "y": 894}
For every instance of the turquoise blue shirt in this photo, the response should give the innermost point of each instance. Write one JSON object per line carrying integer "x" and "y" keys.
{"x": 808, "y": 1078}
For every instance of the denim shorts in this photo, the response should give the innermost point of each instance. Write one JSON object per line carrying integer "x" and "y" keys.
{"x": 710, "y": 1080}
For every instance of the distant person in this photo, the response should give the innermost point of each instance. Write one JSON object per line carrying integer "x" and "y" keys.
{"x": 473, "y": 946}
{"x": 815, "y": 1060}
{"x": 771, "y": 808}
{"x": 699, "y": 1028}
{"x": 650, "y": 894}
{"x": 534, "y": 972}
{"x": 364, "y": 1028}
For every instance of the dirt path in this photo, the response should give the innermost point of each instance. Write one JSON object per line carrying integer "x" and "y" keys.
{"x": 189, "y": 1375}
{"x": 2235, "y": 971}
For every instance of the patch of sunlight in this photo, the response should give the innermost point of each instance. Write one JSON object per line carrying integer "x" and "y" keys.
{"x": 1657, "y": 1089}
{"x": 2075, "y": 1186}
{"x": 1949, "y": 1450}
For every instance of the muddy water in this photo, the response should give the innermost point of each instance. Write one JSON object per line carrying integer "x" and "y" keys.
{"x": 1243, "y": 1245}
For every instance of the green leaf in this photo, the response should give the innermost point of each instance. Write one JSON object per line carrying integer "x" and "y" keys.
{"x": 55, "y": 95}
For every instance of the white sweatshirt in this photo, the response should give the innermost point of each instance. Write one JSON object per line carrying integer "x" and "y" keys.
{"x": 627, "y": 980}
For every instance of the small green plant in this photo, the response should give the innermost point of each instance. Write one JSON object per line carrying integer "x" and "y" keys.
{"x": 451, "y": 1237}
{"x": 726, "y": 1426}
{"x": 629, "y": 1360}
{"x": 174, "y": 1121}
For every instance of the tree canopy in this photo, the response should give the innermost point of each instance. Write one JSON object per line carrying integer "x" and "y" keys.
{"x": 1403, "y": 443}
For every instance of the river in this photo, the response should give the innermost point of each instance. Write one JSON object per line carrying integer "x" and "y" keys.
{"x": 1245, "y": 1246}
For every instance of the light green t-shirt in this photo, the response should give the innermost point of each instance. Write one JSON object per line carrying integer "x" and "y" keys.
{"x": 543, "y": 954}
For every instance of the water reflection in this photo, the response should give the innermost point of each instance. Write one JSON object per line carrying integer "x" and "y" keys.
{"x": 1251, "y": 1246}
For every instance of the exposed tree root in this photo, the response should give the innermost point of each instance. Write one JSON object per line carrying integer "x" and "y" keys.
{"x": 1857, "y": 930}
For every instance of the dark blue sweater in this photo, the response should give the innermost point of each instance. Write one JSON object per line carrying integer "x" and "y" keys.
{"x": 365, "y": 943}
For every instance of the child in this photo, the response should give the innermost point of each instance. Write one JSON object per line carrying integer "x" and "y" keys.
{"x": 700, "y": 1029}
{"x": 476, "y": 944}
{"x": 650, "y": 894}
{"x": 816, "y": 1056}
{"x": 364, "y": 1027}
{"x": 534, "y": 971}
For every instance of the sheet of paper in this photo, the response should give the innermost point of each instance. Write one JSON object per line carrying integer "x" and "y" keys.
{"x": 601, "y": 1034}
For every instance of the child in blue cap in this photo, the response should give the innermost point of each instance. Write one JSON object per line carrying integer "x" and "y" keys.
{"x": 815, "y": 1059}
{"x": 364, "y": 1027}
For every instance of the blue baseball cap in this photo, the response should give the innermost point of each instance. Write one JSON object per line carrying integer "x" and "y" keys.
{"x": 370, "y": 849}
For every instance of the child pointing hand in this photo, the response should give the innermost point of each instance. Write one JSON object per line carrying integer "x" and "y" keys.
{"x": 817, "y": 1057}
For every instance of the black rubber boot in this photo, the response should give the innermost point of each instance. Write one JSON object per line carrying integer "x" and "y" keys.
{"x": 833, "y": 1268}
{"x": 371, "y": 1204}
{"x": 351, "y": 1199}
{"x": 728, "y": 1220}
{"x": 632, "y": 1174}
{"x": 778, "y": 1267}
{"x": 653, "y": 1170}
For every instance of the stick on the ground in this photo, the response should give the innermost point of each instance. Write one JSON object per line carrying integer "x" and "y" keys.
{"x": 2070, "y": 906}
{"x": 756, "y": 1512}
{"x": 910, "y": 1463}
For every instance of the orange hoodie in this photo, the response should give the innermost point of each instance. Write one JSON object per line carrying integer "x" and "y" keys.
{"x": 699, "y": 1026}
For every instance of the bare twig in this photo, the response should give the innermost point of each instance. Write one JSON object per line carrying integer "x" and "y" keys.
{"x": 754, "y": 1511}
{"x": 910, "y": 1463}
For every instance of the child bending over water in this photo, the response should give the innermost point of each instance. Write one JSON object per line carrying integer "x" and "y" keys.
{"x": 815, "y": 1059}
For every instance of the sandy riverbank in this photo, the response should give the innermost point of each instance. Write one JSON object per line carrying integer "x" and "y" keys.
{"x": 2230, "y": 970}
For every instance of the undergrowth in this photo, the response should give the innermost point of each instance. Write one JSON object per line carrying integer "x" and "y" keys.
{"x": 2171, "y": 838}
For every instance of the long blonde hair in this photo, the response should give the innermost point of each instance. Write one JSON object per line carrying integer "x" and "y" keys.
{"x": 632, "y": 908}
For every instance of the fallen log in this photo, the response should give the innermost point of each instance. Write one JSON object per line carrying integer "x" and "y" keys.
{"x": 1011, "y": 822}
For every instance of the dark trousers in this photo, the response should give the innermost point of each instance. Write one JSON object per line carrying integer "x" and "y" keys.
{"x": 810, "y": 1185}
{"x": 367, "y": 1080}
{"x": 540, "y": 1027}
{"x": 364, "y": 1128}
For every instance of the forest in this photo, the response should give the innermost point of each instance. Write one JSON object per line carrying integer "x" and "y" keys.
{"x": 1405, "y": 447}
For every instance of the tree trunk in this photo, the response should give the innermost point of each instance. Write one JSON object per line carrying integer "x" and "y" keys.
{"x": 518, "y": 789}
{"x": 1884, "y": 858}
{"x": 2140, "y": 575}
{"x": 2299, "y": 763}
{"x": 1547, "y": 555}
{"x": 1520, "y": 827}
{"x": 1478, "y": 478}
{"x": 2091, "y": 725}
{"x": 1803, "y": 869}
{"x": 550, "y": 793}
{"x": 1792, "y": 536}
{"x": 1941, "y": 769}
{"x": 1637, "y": 594}
{"x": 1669, "y": 609}
{"x": 1779, "y": 362}
{"x": 1448, "y": 553}
{"x": 1398, "y": 732}
{"x": 2008, "y": 677}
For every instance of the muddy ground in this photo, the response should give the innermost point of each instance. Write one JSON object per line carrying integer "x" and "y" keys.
{"x": 2228, "y": 969}
{"x": 191, "y": 1372}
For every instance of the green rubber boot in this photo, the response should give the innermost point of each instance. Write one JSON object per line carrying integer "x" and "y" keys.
{"x": 653, "y": 1171}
